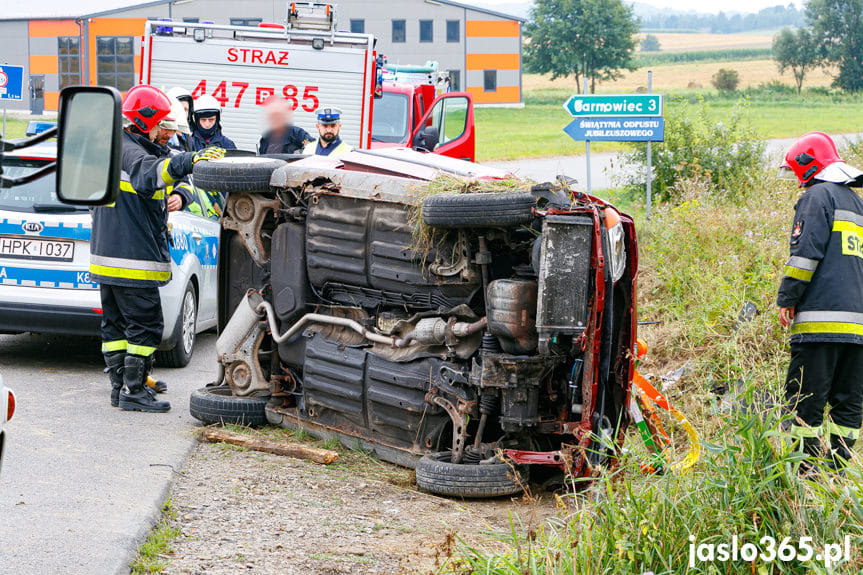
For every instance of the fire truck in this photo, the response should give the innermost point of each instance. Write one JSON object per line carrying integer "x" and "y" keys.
{"x": 310, "y": 63}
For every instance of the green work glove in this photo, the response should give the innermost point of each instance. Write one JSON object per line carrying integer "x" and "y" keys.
{"x": 209, "y": 154}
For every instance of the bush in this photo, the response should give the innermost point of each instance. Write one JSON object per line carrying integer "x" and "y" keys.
{"x": 726, "y": 80}
{"x": 650, "y": 43}
{"x": 725, "y": 153}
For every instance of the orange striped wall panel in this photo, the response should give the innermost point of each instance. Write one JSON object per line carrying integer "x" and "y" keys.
{"x": 492, "y": 29}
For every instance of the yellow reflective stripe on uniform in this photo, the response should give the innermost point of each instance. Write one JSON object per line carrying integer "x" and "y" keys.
{"x": 842, "y": 431}
{"x": 798, "y": 274}
{"x": 147, "y": 275}
{"x": 827, "y": 327}
{"x": 144, "y": 350}
{"x": 117, "y": 345}
{"x": 801, "y": 431}
{"x": 127, "y": 187}
{"x": 166, "y": 176}
{"x": 130, "y": 263}
{"x": 838, "y": 322}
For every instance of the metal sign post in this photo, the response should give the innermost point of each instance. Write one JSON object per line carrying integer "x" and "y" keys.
{"x": 649, "y": 154}
{"x": 587, "y": 147}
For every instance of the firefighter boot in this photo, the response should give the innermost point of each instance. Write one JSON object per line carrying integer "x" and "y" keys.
{"x": 840, "y": 451}
{"x": 139, "y": 397}
{"x": 156, "y": 385}
{"x": 115, "y": 362}
{"x": 811, "y": 446}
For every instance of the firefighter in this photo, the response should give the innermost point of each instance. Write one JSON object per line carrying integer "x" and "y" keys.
{"x": 129, "y": 248}
{"x": 329, "y": 144}
{"x": 821, "y": 300}
{"x": 207, "y": 127}
{"x": 283, "y": 137}
{"x": 180, "y": 140}
{"x": 183, "y": 141}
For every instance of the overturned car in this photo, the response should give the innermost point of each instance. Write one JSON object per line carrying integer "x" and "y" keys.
{"x": 473, "y": 335}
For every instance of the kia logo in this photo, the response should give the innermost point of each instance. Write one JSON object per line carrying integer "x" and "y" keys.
{"x": 32, "y": 227}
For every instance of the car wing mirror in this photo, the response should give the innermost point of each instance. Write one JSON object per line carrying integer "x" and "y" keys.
{"x": 89, "y": 144}
{"x": 427, "y": 139}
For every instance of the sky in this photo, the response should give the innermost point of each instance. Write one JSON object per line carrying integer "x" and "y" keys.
{"x": 682, "y": 5}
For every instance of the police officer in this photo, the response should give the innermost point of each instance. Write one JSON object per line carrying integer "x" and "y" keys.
{"x": 282, "y": 137}
{"x": 329, "y": 143}
{"x": 821, "y": 299}
{"x": 207, "y": 128}
{"x": 129, "y": 253}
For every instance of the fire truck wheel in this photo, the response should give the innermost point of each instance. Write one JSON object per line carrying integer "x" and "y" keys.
{"x": 211, "y": 405}
{"x": 236, "y": 174}
{"x": 478, "y": 209}
{"x": 436, "y": 474}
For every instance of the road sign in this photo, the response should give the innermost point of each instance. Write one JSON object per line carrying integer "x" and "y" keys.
{"x": 11, "y": 82}
{"x": 623, "y": 129}
{"x": 619, "y": 105}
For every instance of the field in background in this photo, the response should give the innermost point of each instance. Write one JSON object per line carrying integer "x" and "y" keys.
{"x": 675, "y": 77}
{"x": 686, "y": 42}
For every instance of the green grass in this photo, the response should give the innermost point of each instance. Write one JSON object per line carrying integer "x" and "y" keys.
{"x": 730, "y": 55}
{"x": 149, "y": 559}
{"x": 537, "y": 129}
{"x": 15, "y": 128}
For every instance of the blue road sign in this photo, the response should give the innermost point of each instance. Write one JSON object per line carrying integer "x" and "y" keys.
{"x": 621, "y": 129}
{"x": 11, "y": 82}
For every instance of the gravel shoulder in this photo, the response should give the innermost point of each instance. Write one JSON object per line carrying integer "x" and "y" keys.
{"x": 242, "y": 510}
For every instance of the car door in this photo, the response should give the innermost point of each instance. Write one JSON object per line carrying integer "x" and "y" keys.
{"x": 452, "y": 116}
{"x": 196, "y": 231}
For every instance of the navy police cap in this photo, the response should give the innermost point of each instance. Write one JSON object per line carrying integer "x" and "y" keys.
{"x": 329, "y": 115}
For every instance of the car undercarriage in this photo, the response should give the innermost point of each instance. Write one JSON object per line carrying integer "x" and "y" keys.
{"x": 474, "y": 336}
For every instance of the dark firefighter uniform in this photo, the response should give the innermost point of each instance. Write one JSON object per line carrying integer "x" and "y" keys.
{"x": 129, "y": 247}
{"x": 823, "y": 282}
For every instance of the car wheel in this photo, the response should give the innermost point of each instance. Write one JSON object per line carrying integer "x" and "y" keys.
{"x": 239, "y": 174}
{"x": 211, "y": 405}
{"x": 478, "y": 209}
{"x": 184, "y": 333}
{"x": 437, "y": 474}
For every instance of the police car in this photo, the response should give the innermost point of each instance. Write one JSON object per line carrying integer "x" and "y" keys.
{"x": 45, "y": 284}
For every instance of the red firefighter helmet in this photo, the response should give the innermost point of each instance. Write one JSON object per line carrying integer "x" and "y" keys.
{"x": 145, "y": 106}
{"x": 808, "y": 156}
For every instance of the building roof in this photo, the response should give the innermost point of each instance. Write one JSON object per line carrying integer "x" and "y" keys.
{"x": 56, "y": 9}
{"x": 482, "y": 9}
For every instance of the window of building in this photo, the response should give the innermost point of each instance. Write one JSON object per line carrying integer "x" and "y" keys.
{"x": 358, "y": 26}
{"x": 489, "y": 80}
{"x": 426, "y": 30}
{"x": 453, "y": 31}
{"x": 69, "y": 60}
{"x": 455, "y": 80}
{"x": 245, "y": 21}
{"x": 115, "y": 62}
{"x": 399, "y": 29}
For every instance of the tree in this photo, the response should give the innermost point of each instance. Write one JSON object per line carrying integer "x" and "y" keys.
{"x": 796, "y": 51}
{"x": 650, "y": 43}
{"x": 726, "y": 80}
{"x": 593, "y": 39}
{"x": 837, "y": 27}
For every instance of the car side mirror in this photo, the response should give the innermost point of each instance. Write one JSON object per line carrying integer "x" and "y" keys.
{"x": 427, "y": 139}
{"x": 89, "y": 144}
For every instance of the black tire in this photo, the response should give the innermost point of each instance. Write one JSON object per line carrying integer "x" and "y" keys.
{"x": 185, "y": 333}
{"x": 478, "y": 209}
{"x": 238, "y": 174}
{"x": 436, "y": 474}
{"x": 211, "y": 405}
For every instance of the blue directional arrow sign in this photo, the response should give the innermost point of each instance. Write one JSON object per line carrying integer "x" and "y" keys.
{"x": 11, "y": 82}
{"x": 620, "y": 129}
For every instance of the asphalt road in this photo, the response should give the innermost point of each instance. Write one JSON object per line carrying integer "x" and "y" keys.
{"x": 83, "y": 481}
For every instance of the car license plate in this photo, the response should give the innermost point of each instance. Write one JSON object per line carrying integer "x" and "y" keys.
{"x": 36, "y": 249}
